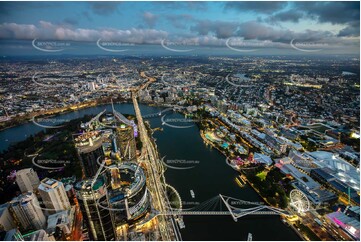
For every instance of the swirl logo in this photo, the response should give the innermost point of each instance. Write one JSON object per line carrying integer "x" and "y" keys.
{"x": 50, "y": 46}
{"x": 183, "y": 164}
{"x": 239, "y": 43}
{"x": 113, "y": 46}
{"x": 164, "y": 122}
{"x": 39, "y": 82}
{"x": 298, "y": 46}
{"x": 169, "y": 45}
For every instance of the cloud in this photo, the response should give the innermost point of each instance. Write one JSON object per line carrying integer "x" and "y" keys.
{"x": 346, "y": 13}
{"x": 352, "y": 30}
{"x": 70, "y": 21}
{"x": 332, "y": 12}
{"x": 104, "y": 8}
{"x": 285, "y": 16}
{"x": 254, "y": 30}
{"x": 179, "y": 5}
{"x": 221, "y": 29}
{"x": 7, "y": 8}
{"x": 205, "y": 33}
{"x": 256, "y": 6}
{"x": 179, "y": 20}
{"x": 49, "y": 31}
{"x": 150, "y": 19}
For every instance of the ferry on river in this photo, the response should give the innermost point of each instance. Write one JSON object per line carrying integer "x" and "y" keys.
{"x": 240, "y": 181}
{"x": 192, "y": 194}
{"x": 181, "y": 223}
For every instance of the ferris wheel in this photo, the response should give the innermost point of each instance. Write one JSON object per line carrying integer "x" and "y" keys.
{"x": 299, "y": 201}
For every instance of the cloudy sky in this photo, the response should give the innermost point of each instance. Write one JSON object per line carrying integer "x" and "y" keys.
{"x": 210, "y": 24}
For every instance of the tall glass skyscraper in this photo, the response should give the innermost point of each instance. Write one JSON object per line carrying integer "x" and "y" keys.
{"x": 93, "y": 201}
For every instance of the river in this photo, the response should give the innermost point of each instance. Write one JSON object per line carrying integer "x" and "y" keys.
{"x": 209, "y": 177}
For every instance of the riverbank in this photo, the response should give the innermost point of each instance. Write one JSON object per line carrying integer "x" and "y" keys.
{"x": 19, "y": 120}
{"x": 226, "y": 156}
{"x": 244, "y": 176}
{"x": 186, "y": 144}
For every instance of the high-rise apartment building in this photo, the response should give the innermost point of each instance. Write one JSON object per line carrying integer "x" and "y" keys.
{"x": 53, "y": 195}
{"x": 27, "y": 180}
{"x": 27, "y": 212}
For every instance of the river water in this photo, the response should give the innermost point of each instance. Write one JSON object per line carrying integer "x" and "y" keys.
{"x": 209, "y": 177}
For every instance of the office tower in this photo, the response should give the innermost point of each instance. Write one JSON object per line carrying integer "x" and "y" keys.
{"x": 53, "y": 195}
{"x": 93, "y": 202}
{"x": 126, "y": 141}
{"x": 27, "y": 180}
{"x": 27, "y": 212}
{"x": 128, "y": 195}
{"x": 89, "y": 146}
{"x": 6, "y": 220}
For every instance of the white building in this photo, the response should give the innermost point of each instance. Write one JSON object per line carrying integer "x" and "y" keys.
{"x": 6, "y": 220}
{"x": 342, "y": 169}
{"x": 264, "y": 159}
{"x": 53, "y": 194}
{"x": 27, "y": 180}
{"x": 27, "y": 211}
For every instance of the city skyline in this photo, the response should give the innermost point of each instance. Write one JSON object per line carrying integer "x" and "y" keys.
{"x": 172, "y": 121}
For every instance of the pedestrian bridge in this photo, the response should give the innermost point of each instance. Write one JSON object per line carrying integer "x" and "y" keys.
{"x": 224, "y": 205}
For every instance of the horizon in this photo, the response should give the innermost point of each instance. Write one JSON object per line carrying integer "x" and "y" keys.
{"x": 180, "y": 28}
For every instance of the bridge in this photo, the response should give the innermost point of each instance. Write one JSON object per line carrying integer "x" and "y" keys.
{"x": 213, "y": 207}
{"x": 152, "y": 115}
{"x": 167, "y": 227}
{"x": 95, "y": 119}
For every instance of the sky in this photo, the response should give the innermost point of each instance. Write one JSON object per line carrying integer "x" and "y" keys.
{"x": 180, "y": 26}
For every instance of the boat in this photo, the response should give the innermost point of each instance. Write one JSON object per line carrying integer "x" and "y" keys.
{"x": 249, "y": 237}
{"x": 181, "y": 223}
{"x": 241, "y": 179}
{"x": 192, "y": 194}
{"x": 240, "y": 182}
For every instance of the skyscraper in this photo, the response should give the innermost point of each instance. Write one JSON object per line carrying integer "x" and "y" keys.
{"x": 6, "y": 220}
{"x": 93, "y": 201}
{"x": 89, "y": 146}
{"x": 27, "y": 180}
{"x": 126, "y": 141}
{"x": 27, "y": 212}
{"x": 53, "y": 195}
